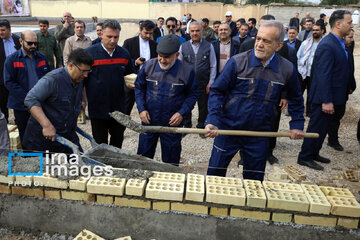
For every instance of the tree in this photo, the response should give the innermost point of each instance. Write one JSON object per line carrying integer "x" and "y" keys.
{"x": 223, "y": 1}
{"x": 338, "y": 2}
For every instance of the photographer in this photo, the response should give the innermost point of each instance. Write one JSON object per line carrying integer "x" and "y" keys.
{"x": 64, "y": 30}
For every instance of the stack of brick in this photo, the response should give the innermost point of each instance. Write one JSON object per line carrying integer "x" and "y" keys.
{"x": 87, "y": 235}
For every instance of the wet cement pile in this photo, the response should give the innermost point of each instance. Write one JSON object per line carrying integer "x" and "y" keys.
{"x": 126, "y": 121}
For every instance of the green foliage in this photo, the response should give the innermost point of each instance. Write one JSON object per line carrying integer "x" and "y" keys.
{"x": 223, "y": 1}
{"x": 265, "y": 2}
{"x": 338, "y": 2}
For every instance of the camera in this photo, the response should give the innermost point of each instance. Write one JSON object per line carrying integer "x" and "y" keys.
{"x": 62, "y": 21}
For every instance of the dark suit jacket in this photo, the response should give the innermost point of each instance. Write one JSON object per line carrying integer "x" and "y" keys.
{"x": 133, "y": 46}
{"x": 294, "y": 22}
{"x": 3, "y": 56}
{"x": 297, "y": 44}
{"x": 233, "y": 28}
{"x": 330, "y": 81}
{"x": 156, "y": 33}
{"x": 234, "y": 49}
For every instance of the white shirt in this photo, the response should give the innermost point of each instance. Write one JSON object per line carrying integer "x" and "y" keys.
{"x": 144, "y": 48}
{"x": 110, "y": 54}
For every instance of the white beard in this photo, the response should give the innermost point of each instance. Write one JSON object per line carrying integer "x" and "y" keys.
{"x": 168, "y": 66}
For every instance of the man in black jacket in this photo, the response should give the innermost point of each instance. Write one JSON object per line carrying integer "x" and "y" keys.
{"x": 295, "y": 22}
{"x": 141, "y": 49}
{"x": 159, "y": 31}
{"x": 9, "y": 44}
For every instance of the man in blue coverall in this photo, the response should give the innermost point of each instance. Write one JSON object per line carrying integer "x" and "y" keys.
{"x": 165, "y": 90}
{"x": 244, "y": 97}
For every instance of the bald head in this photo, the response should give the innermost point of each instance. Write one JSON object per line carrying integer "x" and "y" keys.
{"x": 28, "y": 42}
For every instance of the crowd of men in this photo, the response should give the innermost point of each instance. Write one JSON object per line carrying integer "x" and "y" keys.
{"x": 241, "y": 76}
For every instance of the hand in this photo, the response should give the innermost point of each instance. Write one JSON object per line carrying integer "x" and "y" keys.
{"x": 145, "y": 117}
{"x": 138, "y": 62}
{"x": 66, "y": 24}
{"x": 208, "y": 88}
{"x": 175, "y": 120}
{"x": 283, "y": 103}
{"x": 296, "y": 134}
{"x": 328, "y": 108}
{"x": 211, "y": 131}
{"x": 49, "y": 132}
{"x": 130, "y": 86}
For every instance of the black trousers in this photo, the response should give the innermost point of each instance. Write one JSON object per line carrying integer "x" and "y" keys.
{"x": 129, "y": 100}
{"x": 305, "y": 85}
{"x": 4, "y": 94}
{"x": 358, "y": 131}
{"x": 101, "y": 128}
{"x": 21, "y": 120}
{"x": 334, "y": 123}
{"x": 202, "y": 108}
{"x": 275, "y": 122}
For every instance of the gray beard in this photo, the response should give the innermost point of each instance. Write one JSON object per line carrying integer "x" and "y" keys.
{"x": 168, "y": 66}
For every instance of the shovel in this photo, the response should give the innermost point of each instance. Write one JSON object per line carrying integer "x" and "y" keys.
{"x": 126, "y": 121}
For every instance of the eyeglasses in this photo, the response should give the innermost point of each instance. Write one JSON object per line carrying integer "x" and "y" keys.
{"x": 31, "y": 43}
{"x": 170, "y": 26}
{"x": 83, "y": 71}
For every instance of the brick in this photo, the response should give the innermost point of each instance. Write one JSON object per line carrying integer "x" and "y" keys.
{"x": 348, "y": 222}
{"x": 24, "y": 181}
{"x": 5, "y": 189}
{"x": 351, "y": 175}
{"x": 315, "y": 220}
{"x": 295, "y": 173}
{"x": 168, "y": 177}
{"x": 47, "y": 181}
{"x": 223, "y": 181}
{"x": 281, "y": 217}
{"x": 287, "y": 201}
{"x": 11, "y": 127}
{"x": 105, "y": 199}
{"x": 7, "y": 179}
{"x": 337, "y": 192}
{"x": 86, "y": 234}
{"x": 195, "y": 187}
{"x": 135, "y": 203}
{"x": 318, "y": 201}
{"x": 258, "y": 215}
{"x": 78, "y": 196}
{"x": 225, "y": 195}
{"x": 280, "y": 173}
{"x": 14, "y": 138}
{"x": 124, "y": 238}
{"x": 255, "y": 194}
{"x": 81, "y": 118}
{"x": 216, "y": 211}
{"x": 161, "y": 206}
{"x": 106, "y": 185}
{"x": 344, "y": 206}
{"x": 130, "y": 78}
{"x": 54, "y": 194}
{"x": 191, "y": 208}
{"x": 135, "y": 187}
{"x": 31, "y": 192}
{"x": 285, "y": 187}
{"x": 78, "y": 184}
{"x": 165, "y": 191}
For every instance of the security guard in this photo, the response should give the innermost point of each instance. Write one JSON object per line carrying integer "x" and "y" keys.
{"x": 165, "y": 90}
{"x": 244, "y": 97}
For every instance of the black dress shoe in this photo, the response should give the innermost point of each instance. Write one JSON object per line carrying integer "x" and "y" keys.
{"x": 272, "y": 159}
{"x": 311, "y": 164}
{"x": 336, "y": 146}
{"x": 321, "y": 159}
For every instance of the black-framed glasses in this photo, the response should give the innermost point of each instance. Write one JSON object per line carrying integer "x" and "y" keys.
{"x": 31, "y": 43}
{"x": 170, "y": 26}
{"x": 83, "y": 71}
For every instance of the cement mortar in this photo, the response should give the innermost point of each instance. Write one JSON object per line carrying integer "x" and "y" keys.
{"x": 126, "y": 121}
{"x": 133, "y": 173}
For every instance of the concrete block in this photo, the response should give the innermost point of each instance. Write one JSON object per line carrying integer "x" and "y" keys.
{"x": 5, "y": 189}
{"x": 54, "y": 194}
{"x": 195, "y": 187}
{"x": 24, "y": 181}
{"x": 348, "y": 222}
{"x": 338, "y": 192}
{"x": 165, "y": 191}
{"x": 31, "y": 192}
{"x": 318, "y": 201}
{"x": 7, "y": 179}
{"x": 223, "y": 181}
{"x": 168, "y": 177}
{"x": 161, "y": 206}
{"x": 255, "y": 194}
{"x": 292, "y": 201}
{"x": 106, "y": 185}
{"x": 135, "y": 187}
{"x": 191, "y": 208}
{"x": 351, "y": 175}
{"x": 78, "y": 196}
{"x": 344, "y": 206}
{"x": 124, "y": 238}
{"x": 258, "y": 215}
{"x": 78, "y": 184}
{"x": 135, "y": 203}
{"x": 225, "y": 195}
{"x": 315, "y": 220}
{"x": 87, "y": 235}
{"x": 296, "y": 173}
{"x": 281, "y": 217}
{"x": 217, "y": 211}
{"x": 47, "y": 181}
{"x": 285, "y": 187}
{"x": 105, "y": 199}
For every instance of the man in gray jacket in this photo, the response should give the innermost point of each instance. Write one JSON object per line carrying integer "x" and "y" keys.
{"x": 307, "y": 32}
{"x": 64, "y": 30}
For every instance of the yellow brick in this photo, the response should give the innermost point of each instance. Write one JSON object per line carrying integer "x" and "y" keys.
{"x": 11, "y": 127}
{"x": 135, "y": 187}
{"x": 165, "y": 191}
{"x": 47, "y": 181}
{"x": 258, "y": 215}
{"x": 168, "y": 177}
{"x": 286, "y": 187}
{"x": 315, "y": 220}
{"x": 336, "y": 192}
{"x": 106, "y": 185}
{"x": 86, "y": 234}
{"x": 135, "y": 203}
{"x": 24, "y": 181}
{"x": 161, "y": 206}
{"x": 281, "y": 217}
{"x": 225, "y": 195}
{"x": 7, "y": 179}
{"x": 292, "y": 201}
{"x": 105, "y": 199}
{"x": 54, "y": 194}
{"x": 224, "y": 181}
{"x": 255, "y": 194}
{"x": 5, "y": 189}
{"x": 344, "y": 206}
{"x": 318, "y": 201}
{"x": 191, "y": 208}
{"x": 78, "y": 196}
{"x": 124, "y": 238}
{"x": 348, "y": 223}
{"x": 222, "y": 212}
{"x": 31, "y": 192}
{"x": 295, "y": 173}
{"x": 78, "y": 184}
{"x": 195, "y": 187}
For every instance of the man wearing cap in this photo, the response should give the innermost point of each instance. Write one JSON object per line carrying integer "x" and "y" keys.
{"x": 165, "y": 90}
{"x": 228, "y": 16}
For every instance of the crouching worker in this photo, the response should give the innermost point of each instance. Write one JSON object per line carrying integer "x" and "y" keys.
{"x": 55, "y": 103}
{"x": 165, "y": 90}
